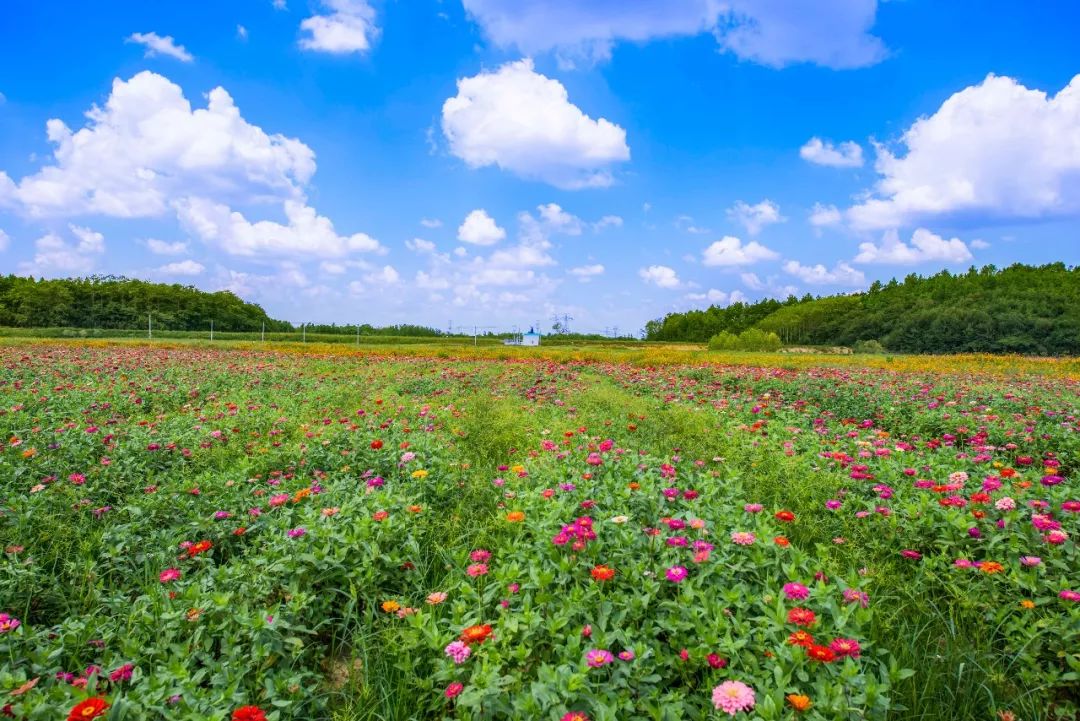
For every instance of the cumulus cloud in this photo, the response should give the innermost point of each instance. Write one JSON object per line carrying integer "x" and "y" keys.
{"x": 770, "y": 286}
{"x": 717, "y": 297}
{"x": 523, "y": 122}
{"x": 993, "y": 152}
{"x": 925, "y": 246}
{"x": 183, "y": 267}
{"x": 431, "y": 222}
{"x": 559, "y": 220}
{"x": 824, "y": 216}
{"x": 841, "y": 274}
{"x": 822, "y": 152}
{"x": 162, "y": 247}
{"x": 755, "y": 217}
{"x": 306, "y": 233}
{"x": 479, "y": 228}
{"x": 55, "y": 256}
{"x": 833, "y": 33}
{"x": 608, "y": 221}
{"x": 660, "y": 276}
{"x": 158, "y": 45}
{"x": 348, "y": 26}
{"x": 147, "y": 146}
{"x": 979, "y": 244}
{"x": 5, "y": 241}
{"x": 685, "y": 222}
{"x": 585, "y": 272}
{"x": 730, "y": 251}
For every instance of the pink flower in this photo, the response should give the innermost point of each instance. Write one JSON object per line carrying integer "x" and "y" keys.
{"x": 845, "y": 647}
{"x": 716, "y": 661}
{"x": 743, "y": 538}
{"x": 676, "y": 574}
{"x": 598, "y": 657}
{"x": 1069, "y": 595}
{"x": 753, "y": 508}
{"x": 453, "y": 689}
{"x": 833, "y": 504}
{"x": 586, "y": 631}
{"x": 480, "y": 555}
{"x": 733, "y": 697}
{"x": 852, "y": 595}
{"x": 908, "y": 553}
{"x": 626, "y": 655}
{"x": 477, "y": 569}
{"x": 169, "y": 575}
{"x": 297, "y": 532}
{"x": 458, "y": 651}
{"x": 1005, "y": 504}
{"x": 796, "y": 591}
{"x": 1030, "y": 560}
{"x": 122, "y": 674}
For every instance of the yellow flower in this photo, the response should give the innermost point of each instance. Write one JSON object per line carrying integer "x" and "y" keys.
{"x": 390, "y": 606}
{"x": 1027, "y": 604}
{"x": 419, "y": 473}
{"x": 518, "y": 468}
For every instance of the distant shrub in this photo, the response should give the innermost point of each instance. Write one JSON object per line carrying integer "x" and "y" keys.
{"x": 868, "y": 346}
{"x": 758, "y": 340}
{"x": 724, "y": 341}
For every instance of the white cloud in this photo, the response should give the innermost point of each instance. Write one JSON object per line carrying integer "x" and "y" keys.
{"x": 241, "y": 32}
{"x": 833, "y": 33}
{"x": 183, "y": 267}
{"x": 388, "y": 275}
{"x": 56, "y": 257}
{"x": 585, "y": 272}
{"x": 608, "y": 221}
{"x": 278, "y": 4}
{"x": 845, "y": 155}
{"x": 661, "y": 276}
{"x": 751, "y": 281}
{"x": 559, "y": 220}
{"x": 5, "y": 241}
{"x": 157, "y": 45}
{"x": 146, "y": 147}
{"x": 730, "y": 251}
{"x": 431, "y": 222}
{"x": 479, "y": 228}
{"x": 711, "y": 296}
{"x": 349, "y": 27}
{"x": 306, "y": 233}
{"x": 685, "y": 222}
{"x": 979, "y": 244}
{"x": 841, "y": 274}
{"x": 161, "y": 247}
{"x": 524, "y": 123}
{"x": 771, "y": 287}
{"x": 993, "y": 152}
{"x": 824, "y": 216}
{"x": 925, "y": 246}
{"x": 419, "y": 245}
{"x": 755, "y": 217}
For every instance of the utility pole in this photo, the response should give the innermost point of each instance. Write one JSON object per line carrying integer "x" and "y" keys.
{"x": 149, "y": 326}
{"x": 211, "y": 330}
{"x": 616, "y": 331}
{"x": 474, "y": 331}
{"x": 262, "y": 334}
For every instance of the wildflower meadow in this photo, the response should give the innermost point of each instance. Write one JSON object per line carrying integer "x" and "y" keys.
{"x": 243, "y": 533}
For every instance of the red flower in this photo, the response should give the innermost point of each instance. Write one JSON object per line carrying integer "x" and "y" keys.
{"x": 716, "y": 661}
{"x": 801, "y": 617}
{"x": 91, "y": 708}
{"x": 603, "y": 573}
{"x": 248, "y": 713}
{"x": 376, "y": 445}
{"x": 476, "y": 634}
{"x": 785, "y": 516}
{"x": 801, "y": 638}
{"x": 199, "y": 547}
{"x": 821, "y": 653}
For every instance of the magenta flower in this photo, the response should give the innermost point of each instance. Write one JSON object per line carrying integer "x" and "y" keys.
{"x": 297, "y": 532}
{"x": 598, "y": 657}
{"x": 833, "y": 504}
{"x": 122, "y": 674}
{"x": 458, "y": 651}
{"x": 454, "y": 689}
{"x": 169, "y": 575}
{"x": 753, "y": 508}
{"x": 796, "y": 591}
{"x": 1069, "y": 595}
{"x": 676, "y": 574}
{"x": 480, "y": 555}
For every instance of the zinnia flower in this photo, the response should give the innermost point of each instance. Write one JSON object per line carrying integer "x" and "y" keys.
{"x": 785, "y": 516}
{"x": 454, "y": 689}
{"x": 821, "y": 653}
{"x": 434, "y": 599}
{"x": 743, "y": 538}
{"x": 477, "y": 569}
{"x": 458, "y": 651}
{"x": 574, "y": 716}
{"x": 598, "y": 657}
{"x": 733, "y": 697}
{"x": 676, "y": 574}
{"x": 799, "y": 702}
{"x": 476, "y": 634}
{"x": 89, "y": 708}
{"x": 248, "y": 713}
{"x": 603, "y": 573}
{"x": 845, "y": 647}
{"x": 169, "y": 574}
{"x": 801, "y": 617}
{"x": 796, "y": 591}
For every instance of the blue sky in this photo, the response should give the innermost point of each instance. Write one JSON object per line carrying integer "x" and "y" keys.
{"x": 494, "y": 162}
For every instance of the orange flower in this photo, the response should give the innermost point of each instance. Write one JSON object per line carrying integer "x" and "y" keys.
{"x": 301, "y": 495}
{"x": 991, "y": 567}
{"x": 1027, "y": 604}
{"x": 415, "y": 509}
{"x": 634, "y": 486}
{"x": 782, "y": 541}
{"x": 799, "y": 702}
{"x": 199, "y": 547}
{"x": 476, "y": 634}
{"x": 603, "y": 573}
{"x": 390, "y": 606}
{"x": 515, "y": 516}
{"x": 29, "y": 453}
{"x": 801, "y": 638}
{"x": 380, "y": 515}
{"x": 436, "y": 598}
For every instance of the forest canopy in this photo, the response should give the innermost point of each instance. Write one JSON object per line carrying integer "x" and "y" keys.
{"x": 1020, "y": 309}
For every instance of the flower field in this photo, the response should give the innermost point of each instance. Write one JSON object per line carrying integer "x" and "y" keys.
{"x": 196, "y": 533}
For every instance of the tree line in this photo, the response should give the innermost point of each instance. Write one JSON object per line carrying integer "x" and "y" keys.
{"x": 1018, "y": 309}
